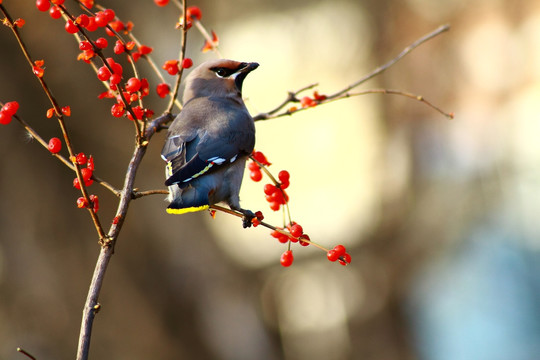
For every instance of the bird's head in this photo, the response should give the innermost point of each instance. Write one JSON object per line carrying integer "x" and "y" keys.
{"x": 217, "y": 78}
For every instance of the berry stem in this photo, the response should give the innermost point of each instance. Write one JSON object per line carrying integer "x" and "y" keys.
{"x": 267, "y": 225}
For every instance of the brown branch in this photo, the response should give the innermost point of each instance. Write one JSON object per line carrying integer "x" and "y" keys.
{"x": 24, "y": 352}
{"x": 401, "y": 55}
{"x": 266, "y": 225}
{"x": 340, "y": 94}
{"x": 416, "y": 97}
{"x": 291, "y": 97}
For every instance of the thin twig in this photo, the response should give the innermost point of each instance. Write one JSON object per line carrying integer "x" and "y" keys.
{"x": 22, "y": 351}
{"x": 266, "y": 225}
{"x": 391, "y": 92}
{"x": 339, "y": 94}
{"x": 292, "y": 96}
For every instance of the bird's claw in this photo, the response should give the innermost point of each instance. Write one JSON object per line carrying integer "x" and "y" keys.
{"x": 247, "y": 218}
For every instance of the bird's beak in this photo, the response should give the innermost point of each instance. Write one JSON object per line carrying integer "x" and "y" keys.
{"x": 248, "y": 67}
{"x": 241, "y": 74}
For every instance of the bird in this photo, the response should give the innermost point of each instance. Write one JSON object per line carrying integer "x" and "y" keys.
{"x": 209, "y": 142}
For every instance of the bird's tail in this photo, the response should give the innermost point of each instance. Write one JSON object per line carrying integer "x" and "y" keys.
{"x": 188, "y": 200}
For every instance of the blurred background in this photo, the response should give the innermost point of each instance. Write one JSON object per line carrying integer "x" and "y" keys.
{"x": 440, "y": 216}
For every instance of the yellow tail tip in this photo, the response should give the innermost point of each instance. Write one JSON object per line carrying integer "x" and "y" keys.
{"x": 187, "y": 210}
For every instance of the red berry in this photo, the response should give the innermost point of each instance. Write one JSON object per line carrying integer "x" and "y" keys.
{"x": 43, "y": 5}
{"x": 82, "y": 203}
{"x": 332, "y": 255}
{"x": 319, "y": 97}
{"x": 116, "y": 25}
{"x": 118, "y": 110}
{"x": 85, "y": 45}
{"x": 66, "y": 110}
{"x": 269, "y": 189}
{"x": 55, "y": 145}
{"x": 304, "y": 237}
{"x": 88, "y": 3}
{"x": 138, "y": 111}
{"x": 5, "y": 118}
{"x": 145, "y": 50}
{"x": 90, "y": 163}
{"x": 71, "y": 27}
{"x": 104, "y": 73}
{"x": 343, "y": 260}
{"x": 296, "y": 230}
{"x": 287, "y": 258}
{"x": 115, "y": 79}
{"x": 253, "y": 166}
{"x": 119, "y": 47}
{"x": 162, "y": 90}
{"x": 101, "y": 19}
{"x": 284, "y": 176}
{"x": 187, "y": 63}
{"x": 133, "y": 85}
{"x": 92, "y": 25}
{"x": 274, "y": 205}
{"x": 193, "y": 12}
{"x": 283, "y": 238}
{"x": 19, "y": 23}
{"x": 86, "y": 174}
{"x": 76, "y": 184}
{"x": 117, "y": 68}
{"x": 145, "y": 87}
{"x": 109, "y": 15}
{"x": 82, "y": 20}
{"x": 102, "y": 43}
{"x": 95, "y": 202}
{"x": 259, "y": 156}
{"x": 340, "y": 250}
{"x": 55, "y": 12}
{"x": 57, "y": 2}
{"x": 10, "y": 108}
{"x": 306, "y": 101}
{"x": 255, "y": 175}
{"x": 161, "y": 2}
{"x": 80, "y": 159}
{"x": 171, "y": 66}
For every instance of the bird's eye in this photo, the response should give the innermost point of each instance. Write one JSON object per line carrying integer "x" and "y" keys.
{"x": 221, "y": 72}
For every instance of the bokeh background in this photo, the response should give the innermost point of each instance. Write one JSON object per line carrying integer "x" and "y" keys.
{"x": 440, "y": 216}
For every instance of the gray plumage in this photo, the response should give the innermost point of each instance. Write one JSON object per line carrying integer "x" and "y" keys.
{"x": 209, "y": 141}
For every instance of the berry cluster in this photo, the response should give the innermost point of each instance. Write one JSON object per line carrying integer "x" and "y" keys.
{"x": 308, "y": 102}
{"x": 8, "y": 110}
{"x": 87, "y": 172}
{"x": 83, "y": 203}
{"x": 277, "y": 197}
{"x": 339, "y": 253}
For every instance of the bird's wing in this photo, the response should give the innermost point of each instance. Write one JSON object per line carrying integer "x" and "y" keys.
{"x": 193, "y": 151}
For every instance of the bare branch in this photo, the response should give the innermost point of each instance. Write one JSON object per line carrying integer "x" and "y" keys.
{"x": 292, "y": 97}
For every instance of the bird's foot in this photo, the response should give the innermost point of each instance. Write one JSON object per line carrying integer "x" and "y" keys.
{"x": 247, "y": 218}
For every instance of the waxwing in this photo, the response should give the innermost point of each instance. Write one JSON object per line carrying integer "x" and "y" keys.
{"x": 210, "y": 140}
